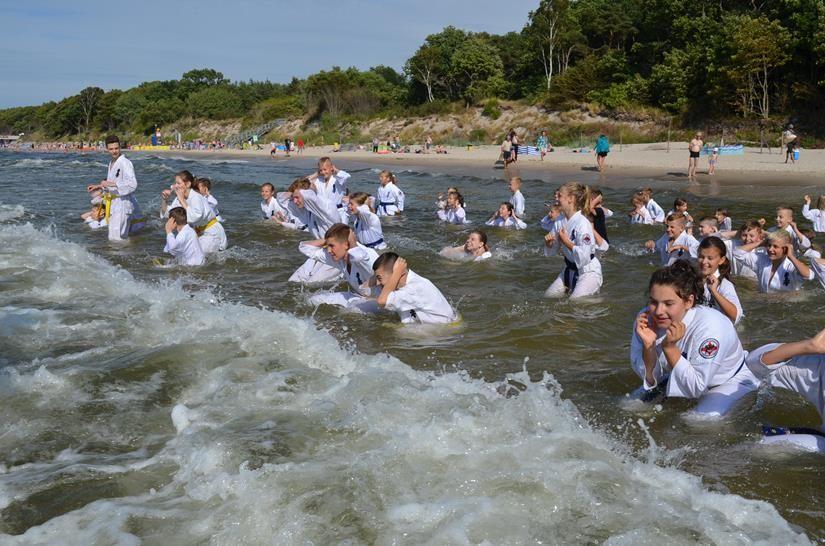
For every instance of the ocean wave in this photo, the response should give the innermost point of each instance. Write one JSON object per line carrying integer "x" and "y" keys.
{"x": 11, "y": 212}
{"x": 233, "y": 424}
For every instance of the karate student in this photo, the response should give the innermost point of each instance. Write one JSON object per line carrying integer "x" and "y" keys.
{"x": 708, "y": 227}
{"x": 680, "y": 207}
{"x": 582, "y": 274}
{"x": 799, "y": 367}
{"x": 817, "y": 215}
{"x": 271, "y": 207}
{"x": 367, "y": 224}
{"x": 96, "y": 217}
{"x": 506, "y": 217}
{"x": 720, "y": 293}
{"x": 692, "y": 350}
{"x": 318, "y": 214}
{"x": 552, "y": 222}
{"x": 475, "y": 248}
{"x": 183, "y": 246}
{"x": 414, "y": 298}
{"x": 453, "y": 211}
{"x": 749, "y": 232}
{"x": 331, "y": 184}
{"x": 204, "y": 186}
{"x": 390, "y": 198}
{"x": 199, "y": 215}
{"x": 784, "y": 221}
{"x": 777, "y": 269}
{"x": 517, "y": 199}
{"x": 340, "y": 250}
{"x": 639, "y": 214}
{"x": 725, "y": 221}
{"x": 676, "y": 243}
{"x": 119, "y": 188}
{"x": 656, "y": 212}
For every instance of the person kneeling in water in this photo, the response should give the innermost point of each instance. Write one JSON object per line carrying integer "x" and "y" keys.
{"x": 475, "y": 248}
{"x": 691, "y": 350}
{"x": 185, "y": 246}
{"x": 413, "y": 297}
{"x": 339, "y": 249}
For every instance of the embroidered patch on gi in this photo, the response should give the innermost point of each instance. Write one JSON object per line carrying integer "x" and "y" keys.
{"x": 586, "y": 239}
{"x": 709, "y": 348}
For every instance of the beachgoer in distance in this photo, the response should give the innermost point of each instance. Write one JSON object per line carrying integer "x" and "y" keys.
{"x": 695, "y": 149}
{"x": 789, "y": 140}
{"x": 542, "y": 144}
{"x": 601, "y": 150}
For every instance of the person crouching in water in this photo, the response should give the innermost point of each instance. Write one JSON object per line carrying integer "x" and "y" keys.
{"x": 340, "y": 250}
{"x": 690, "y": 350}
{"x": 199, "y": 213}
{"x": 183, "y": 246}
{"x": 414, "y": 298}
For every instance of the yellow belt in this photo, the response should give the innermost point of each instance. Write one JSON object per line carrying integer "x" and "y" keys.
{"x": 107, "y": 202}
{"x": 209, "y": 224}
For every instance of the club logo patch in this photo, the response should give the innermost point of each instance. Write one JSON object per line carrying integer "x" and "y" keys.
{"x": 709, "y": 348}
{"x": 586, "y": 239}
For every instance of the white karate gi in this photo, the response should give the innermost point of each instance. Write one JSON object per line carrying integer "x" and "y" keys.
{"x": 390, "y": 200}
{"x": 800, "y": 244}
{"x": 420, "y": 301}
{"x": 553, "y": 226}
{"x": 656, "y": 212}
{"x": 368, "y": 228}
{"x": 738, "y": 267}
{"x": 334, "y": 189}
{"x": 517, "y": 200}
{"x": 726, "y": 224}
{"x": 582, "y": 274}
{"x": 271, "y": 208}
{"x": 728, "y": 291}
{"x": 642, "y": 216}
{"x": 453, "y": 216}
{"x": 818, "y": 270}
{"x": 357, "y": 271}
{"x": 816, "y": 216}
{"x": 318, "y": 215}
{"x": 96, "y": 224}
{"x": 712, "y": 367}
{"x": 511, "y": 222}
{"x": 199, "y": 214}
{"x": 485, "y": 256}
{"x": 124, "y": 206}
{"x": 684, "y": 239}
{"x": 786, "y": 278}
{"x": 184, "y": 246}
{"x": 214, "y": 204}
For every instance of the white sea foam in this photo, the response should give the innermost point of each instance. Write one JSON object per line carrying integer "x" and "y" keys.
{"x": 11, "y": 212}
{"x": 275, "y": 434}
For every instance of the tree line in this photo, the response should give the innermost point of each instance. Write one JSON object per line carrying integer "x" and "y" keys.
{"x": 707, "y": 60}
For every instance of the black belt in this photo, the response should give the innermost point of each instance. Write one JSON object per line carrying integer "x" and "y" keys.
{"x": 374, "y": 243}
{"x": 339, "y": 206}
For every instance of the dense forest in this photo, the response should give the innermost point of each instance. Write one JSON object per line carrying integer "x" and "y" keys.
{"x": 727, "y": 61}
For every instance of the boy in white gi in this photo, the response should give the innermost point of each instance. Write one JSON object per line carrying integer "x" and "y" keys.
{"x": 656, "y": 211}
{"x": 119, "y": 189}
{"x": 339, "y": 249}
{"x": 331, "y": 184}
{"x": 414, "y": 298}
{"x": 517, "y": 199}
{"x": 204, "y": 187}
{"x": 676, "y": 243}
{"x": 184, "y": 245}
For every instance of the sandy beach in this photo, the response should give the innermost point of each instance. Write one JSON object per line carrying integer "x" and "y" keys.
{"x": 643, "y": 159}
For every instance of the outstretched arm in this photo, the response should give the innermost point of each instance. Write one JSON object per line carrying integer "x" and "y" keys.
{"x": 786, "y": 351}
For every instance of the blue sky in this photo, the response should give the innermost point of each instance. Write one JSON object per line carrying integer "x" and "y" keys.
{"x": 54, "y": 49}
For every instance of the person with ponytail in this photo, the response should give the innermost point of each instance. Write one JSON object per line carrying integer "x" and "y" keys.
{"x": 390, "y": 197}
{"x": 687, "y": 349}
{"x": 715, "y": 268}
{"x": 582, "y": 273}
{"x": 366, "y": 223}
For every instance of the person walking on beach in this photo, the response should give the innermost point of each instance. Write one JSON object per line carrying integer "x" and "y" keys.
{"x": 514, "y": 145}
{"x": 542, "y": 144}
{"x": 695, "y": 147}
{"x": 601, "y": 150}
{"x": 789, "y": 140}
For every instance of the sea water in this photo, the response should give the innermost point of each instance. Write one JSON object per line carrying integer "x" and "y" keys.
{"x": 158, "y": 405}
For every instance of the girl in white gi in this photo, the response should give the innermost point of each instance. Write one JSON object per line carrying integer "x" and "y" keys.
{"x": 797, "y": 367}
{"x": 719, "y": 290}
{"x": 271, "y": 208}
{"x": 204, "y": 186}
{"x": 506, "y": 217}
{"x": 453, "y": 211}
{"x": 331, "y": 184}
{"x": 656, "y": 212}
{"x": 582, "y": 274}
{"x": 367, "y": 224}
{"x": 777, "y": 269}
{"x": 390, "y": 198}
{"x": 475, "y": 248}
{"x": 199, "y": 214}
{"x": 318, "y": 214}
{"x": 676, "y": 243}
{"x": 725, "y": 221}
{"x": 517, "y": 199}
{"x": 183, "y": 246}
{"x": 414, "y": 298}
{"x": 441, "y": 201}
{"x": 340, "y": 250}
{"x": 749, "y": 232}
{"x": 692, "y": 350}
{"x": 639, "y": 214}
{"x": 817, "y": 215}
{"x": 119, "y": 193}
{"x": 95, "y": 218}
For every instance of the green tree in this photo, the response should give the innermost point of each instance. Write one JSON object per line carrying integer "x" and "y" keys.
{"x": 214, "y": 103}
{"x": 88, "y": 100}
{"x": 477, "y": 70}
{"x": 203, "y": 77}
{"x": 545, "y": 28}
